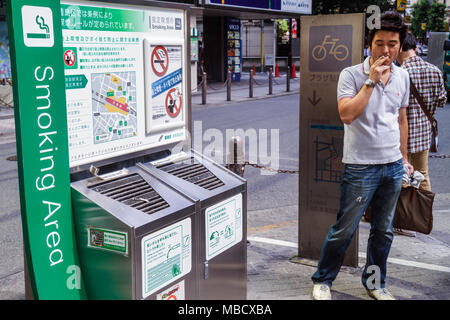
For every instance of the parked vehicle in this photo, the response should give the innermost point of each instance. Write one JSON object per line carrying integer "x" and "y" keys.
{"x": 422, "y": 50}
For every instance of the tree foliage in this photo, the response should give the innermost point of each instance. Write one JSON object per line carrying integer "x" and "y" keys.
{"x": 437, "y": 17}
{"x": 283, "y": 27}
{"x": 432, "y": 14}
{"x": 419, "y": 15}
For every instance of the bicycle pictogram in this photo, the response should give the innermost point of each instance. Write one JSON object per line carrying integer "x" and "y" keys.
{"x": 340, "y": 52}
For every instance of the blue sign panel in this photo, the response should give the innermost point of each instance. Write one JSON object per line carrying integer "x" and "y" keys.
{"x": 166, "y": 83}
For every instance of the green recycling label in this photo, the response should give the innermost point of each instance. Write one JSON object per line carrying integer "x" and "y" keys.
{"x": 223, "y": 226}
{"x": 166, "y": 256}
{"x": 108, "y": 240}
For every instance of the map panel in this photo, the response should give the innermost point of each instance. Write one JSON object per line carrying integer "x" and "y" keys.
{"x": 114, "y": 106}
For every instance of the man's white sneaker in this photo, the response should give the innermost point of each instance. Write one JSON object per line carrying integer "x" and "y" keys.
{"x": 321, "y": 291}
{"x": 380, "y": 294}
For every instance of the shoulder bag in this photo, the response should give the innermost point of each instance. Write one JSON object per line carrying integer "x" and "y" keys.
{"x": 433, "y": 121}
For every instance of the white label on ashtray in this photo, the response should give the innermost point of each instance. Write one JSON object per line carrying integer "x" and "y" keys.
{"x": 166, "y": 256}
{"x": 175, "y": 292}
{"x": 223, "y": 223}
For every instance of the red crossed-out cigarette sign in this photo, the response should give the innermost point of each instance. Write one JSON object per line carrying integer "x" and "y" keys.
{"x": 69, "y": 58}
{"x": 160, "y": 61}
{"x": 173, "y": 102}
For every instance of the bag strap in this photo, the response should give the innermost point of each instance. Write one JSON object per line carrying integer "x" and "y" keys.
{"x": 421, "y": 102}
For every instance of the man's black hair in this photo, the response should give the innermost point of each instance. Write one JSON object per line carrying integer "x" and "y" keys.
{"x": 389, "y": 21}
{"x": 409, "y": 42}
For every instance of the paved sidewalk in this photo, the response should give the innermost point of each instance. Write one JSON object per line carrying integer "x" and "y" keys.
{"x": 418, "y": 268}
{"x": 7, "y": 127}
{"x": 217, "y": 92}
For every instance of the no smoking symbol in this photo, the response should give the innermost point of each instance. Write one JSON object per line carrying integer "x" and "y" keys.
{"x": 69, "y": 58}
{"x": 160, "y": 61}
{"x": 173, "y": 102}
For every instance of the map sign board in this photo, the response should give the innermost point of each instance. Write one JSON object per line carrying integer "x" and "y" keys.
{"x": 125, "y": 86}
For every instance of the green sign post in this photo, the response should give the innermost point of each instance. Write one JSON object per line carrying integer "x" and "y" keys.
{"x": 35, "y": 38}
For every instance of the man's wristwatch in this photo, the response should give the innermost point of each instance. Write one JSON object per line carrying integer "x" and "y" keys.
{"x": 369, "y": 83}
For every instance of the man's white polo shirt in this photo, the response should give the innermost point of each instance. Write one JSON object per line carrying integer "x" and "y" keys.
{"x": 374, "y": 136}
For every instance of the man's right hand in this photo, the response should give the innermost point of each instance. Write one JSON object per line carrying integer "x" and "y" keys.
{"x": 378, "y": 68}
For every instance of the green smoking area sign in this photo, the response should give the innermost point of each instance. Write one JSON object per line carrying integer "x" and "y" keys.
{"x": 85, "y": 92}
{"x": 42, "y": 148}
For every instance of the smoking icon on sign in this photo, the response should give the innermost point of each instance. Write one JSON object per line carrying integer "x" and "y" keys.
{"x": 42, "y": 25}
{"x": 160, "y": 61}
{"x": 37, "y": 24}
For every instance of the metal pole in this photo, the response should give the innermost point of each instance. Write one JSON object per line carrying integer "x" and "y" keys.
{"x": 288, "y": 85}
{"x": 290, "y": 44}
{"x": 250, "y": 85}
{"x": 270, "y": 80}
{"x": 262, "y": 45}
{"x": 204, "y": 88}
{"x": 274, "y": 43}
{"x": 229, "y": 85}
{"x": 235, "y": 157}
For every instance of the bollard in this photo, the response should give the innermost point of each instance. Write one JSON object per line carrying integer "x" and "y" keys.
{"x": 229, "y": 86}
{"x": 235, "y": 157}
{"x": 270, "y": 80}
{"x": 250, "y": 85}
{"x": 288, "y": 84}
{"x": 204, "y": 88}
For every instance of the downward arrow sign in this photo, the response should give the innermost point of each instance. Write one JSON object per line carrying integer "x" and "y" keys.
{"x": 314, "y": 101}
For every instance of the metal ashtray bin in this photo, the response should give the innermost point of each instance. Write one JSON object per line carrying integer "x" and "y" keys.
{"x": 136, "y": 237}
{"x": 222, "y": 219}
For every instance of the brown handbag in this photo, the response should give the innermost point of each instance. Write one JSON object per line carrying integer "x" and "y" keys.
{"x": 414, "y": 210}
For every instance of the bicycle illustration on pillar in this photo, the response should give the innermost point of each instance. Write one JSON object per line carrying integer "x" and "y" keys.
{"x": 320, "y": 52}
{"x": 330, "y": 48}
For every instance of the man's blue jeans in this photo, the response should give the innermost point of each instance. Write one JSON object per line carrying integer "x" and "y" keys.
{"x": 378, "y": 185}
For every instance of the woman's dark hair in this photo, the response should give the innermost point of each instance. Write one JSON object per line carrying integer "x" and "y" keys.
{"x": 409, "y": 42}
{"x": 389, "y": 21}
